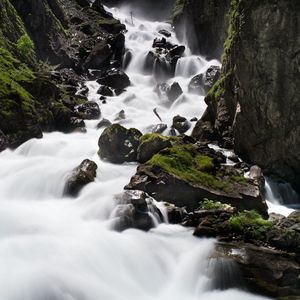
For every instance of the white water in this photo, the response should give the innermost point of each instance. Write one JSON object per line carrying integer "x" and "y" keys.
{"x": 57, "y": 248}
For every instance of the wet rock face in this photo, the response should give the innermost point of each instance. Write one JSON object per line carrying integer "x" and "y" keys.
{"x": 258, "y": 99}
{"x": 204, "y": 23}
{"x": 118, "y": 144}
{"x": 85, "y": 173}
{"x": 135, "y": 209}
{"x": 265, "y": 271}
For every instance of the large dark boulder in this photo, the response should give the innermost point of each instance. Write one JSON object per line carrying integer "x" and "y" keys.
{"x": 114, "y": 78}
{"x": 82, "y": 175}
{"x": 99, "y": 56}
{"x": 118, "y": 144}
{"x": 135, "y": 209}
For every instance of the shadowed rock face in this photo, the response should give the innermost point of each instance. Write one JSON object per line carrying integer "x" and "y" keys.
{"x": 255, "y": 104}
{"x": 204, "y": 24}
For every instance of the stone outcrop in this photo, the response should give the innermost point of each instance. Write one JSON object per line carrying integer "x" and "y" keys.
{"x": 35, "y": 95}
{"x": 118, "y": 144}
{"x": 256, "y": 101}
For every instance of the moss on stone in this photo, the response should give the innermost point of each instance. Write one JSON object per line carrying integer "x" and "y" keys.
{"x": 184, "y": 162}
{"x": 148, "y": 137}
{"x": 250, "y": 222}
{"x": 211, "y": 204}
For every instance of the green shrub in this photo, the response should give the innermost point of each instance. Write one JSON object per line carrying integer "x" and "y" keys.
{"x": 25, "y": 47}
{"x": 211, "y": 204}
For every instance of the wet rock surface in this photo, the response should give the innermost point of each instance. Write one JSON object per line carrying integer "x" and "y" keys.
{"x": 135, "y": 209}
{"x": 118, "y": 144}
{"x": 84, "y": 174}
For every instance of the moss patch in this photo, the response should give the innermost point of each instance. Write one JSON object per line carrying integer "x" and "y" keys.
{"x": 251, "y": 223}
{"x": 151, "y": 136}
{"x": 211, "y": 204}
{"x": 185, "y": 162}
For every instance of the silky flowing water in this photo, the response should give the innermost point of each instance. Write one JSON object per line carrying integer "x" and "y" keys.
{"x": 57, "y": 248}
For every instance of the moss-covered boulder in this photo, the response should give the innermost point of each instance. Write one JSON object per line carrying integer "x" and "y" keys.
{"x": 118, "y": 144}
{"x": 150, "y": 145}
{"x": 82, "y": 175}
{"x": 185, "y": 174}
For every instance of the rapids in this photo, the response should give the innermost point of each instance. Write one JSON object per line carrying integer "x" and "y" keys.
{"x": 57, "y": 248}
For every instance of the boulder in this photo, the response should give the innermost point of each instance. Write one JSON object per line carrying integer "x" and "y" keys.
{"x": 202, "y": 83}
{"x": 104, "y": 123}
{"x": 118, "y": 144}
{"x": 135, "y": 209}
{"x": 105, "y": 91}
{"x": 264, "y": 271}
{"x": 99, "y": 56}
{"x": 185, "y": 174}
{"x": 89, "y": 110}
{"x": 175, "y": 214}
{"x": 82, "y": 175}
{"x": 181, "y": 124}
{"x": 115, "y": 79}
{"x": 150, "y": 145}
{"x": 165, "y": 32}
{"x": 174, "y": 91}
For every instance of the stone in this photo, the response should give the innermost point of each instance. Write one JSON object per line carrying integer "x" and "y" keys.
{"x": 174, "y": 91}
{"x": 150, "y": 145}
{"x": 135, "y": 209}
{"x": 115, "y": 79}
{"x": 118, "y": 144}
{"x": 84, "y": 174}
{"x": 105, "y": 91}
{"x": 104, "y": 123}
{"x": 99, "y": 56}
{"x": 165, "y": 32}
{"x": 181, "y": 124}
{"x": 89, "y": 110}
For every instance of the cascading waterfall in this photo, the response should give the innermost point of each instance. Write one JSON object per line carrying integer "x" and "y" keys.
{"x": 57, "y": 248}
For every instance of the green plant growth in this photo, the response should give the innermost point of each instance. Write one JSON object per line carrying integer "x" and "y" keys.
{"x": 13, "y": 96}
{"x": 211, "y": 204}
{"x": 250, "y": 222}
{"x": 25, "y": 47}
{"x": 185, "y": 162}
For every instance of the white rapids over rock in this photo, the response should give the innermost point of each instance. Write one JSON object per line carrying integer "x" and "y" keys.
{"x": 58, "y": 248}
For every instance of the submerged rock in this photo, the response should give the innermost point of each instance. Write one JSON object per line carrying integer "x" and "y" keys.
{"x": 104, "y": 123}
{"x": 174, "y": 91}
{"x": 135, "y": 209}
{"x": 118, "y": 144}
{"x": 85, "y": 173}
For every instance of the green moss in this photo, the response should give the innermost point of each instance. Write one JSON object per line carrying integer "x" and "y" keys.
{"x": 250, "y": 222}
{"x": 25, "y": 47}
{"x": 211, "y": 204}
{"x": 185, "y": 162}
{"x": 151, "y": 136}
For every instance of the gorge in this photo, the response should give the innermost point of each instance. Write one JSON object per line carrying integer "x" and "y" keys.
{"x": 137, "y": 163}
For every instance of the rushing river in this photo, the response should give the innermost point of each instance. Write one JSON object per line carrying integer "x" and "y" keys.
{"x": 58, "y": 248}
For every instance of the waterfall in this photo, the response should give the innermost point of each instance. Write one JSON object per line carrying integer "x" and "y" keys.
{"x": 53, "y": 247}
